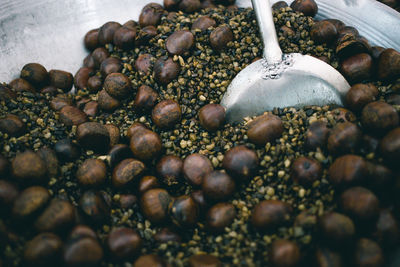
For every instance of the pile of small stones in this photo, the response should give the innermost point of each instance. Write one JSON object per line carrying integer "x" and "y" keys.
{"x": 138, "y": 167}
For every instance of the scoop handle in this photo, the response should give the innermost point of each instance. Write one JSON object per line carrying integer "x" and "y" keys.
{"x": 272, "y": 52}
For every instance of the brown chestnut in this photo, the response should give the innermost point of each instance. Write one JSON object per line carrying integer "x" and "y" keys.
{"x": 241, "y": 163}
{"x": 212, "y": 117}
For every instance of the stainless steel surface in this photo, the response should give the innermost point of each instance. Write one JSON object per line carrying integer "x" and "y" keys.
{"x": 272, "y": 53}
{"x": 51, "y": 31}
{"x": 293, "y": 80}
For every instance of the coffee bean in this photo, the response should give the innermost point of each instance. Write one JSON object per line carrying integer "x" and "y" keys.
{"x": 360, "y": 95}
{"x": 323, "y": 32}
{"x": 389, "y": 65}
{"x": 240, "y": 162}
{"x": 203, "y": 23}
{"x": 107, "y": 102}
{"x": 127, "y": 172}
{"x": 80, "y": 231}
{"x": 218, "y": 186}
{"x": 169, "y": 168}
{"x": 30, "y": 201}
{"x": 368, "y": 253}
{"x": 60, "y": 101}
{"x": 269, "y": 214}
{"x": 387, "y": 229}
{"x": 135, "y": 128}
{"x": 146, "y": 145}
{"x": 151, "y": 15}
{"x": 21, "y": 85}
{"x": 179, "y": 42}
{"x": 58, "y": 216}
{"x": 154, "y": 204}
{"x": 91, "y": 39}
{"x": 94, "y": 136}
{"x": 143, "y": 63}
{"x": 8, "y": 194}
{"x": 114, "y": 133}
{"x": 149, "y": 260}
{"x": 94, "y": 207}
{"x": 91, "y": 108}
{"x": 107, "y": 31}
{"x": 284, "y": 253}
{"x": 220, "y": 216}
{"x": 84, "y": 251}
{"x": 99, "y": 55}
{"x": 212, "y": 117}
{"x": 336, "y": 229}
{"x": 166, "y": 235}
{"x": 305, "y": 171}
{"x": 70, "y": 115}
{"x": 316, "y": 135}
{"x": 344, "y": 138}
{"x": 118, "y": 153}
{"x": 49, "y": 157}
{"x": 28, "y": 168}
{"x": 124, "y": 37}
{"x": 390, "y": 147}
{"x": 203, "y": 260}
{"x": 117, "y": 85}
{"x": 166, "y": 70}
{"x": 220, "y": 37}
{"x": 379, "y": 117}
{"x": 43, "y": 250}
{"x": 124, "y": 243}
{"x": 360, "y": 204}
{"x": 265, "y": 128}
{"x": 195, "y": 167}
{"x": 357, "y": 68}
{"x": 348, "y": 170}
{"x": 12, "y": 125}
{"x": 146, "y": 98}
{"x": 35, "y": 74}
{"x": 66, "y": 150}
{"x": 81, "y": 77}
{"x": 110, "y": 65}
{"x": 166, "y": 114}
{"x": 92, "y": 172}
{"x": 61, "y": 79}
{"x": 147, "y": 183}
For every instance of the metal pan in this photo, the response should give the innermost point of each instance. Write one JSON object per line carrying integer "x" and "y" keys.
{"x": 51, "y": 32}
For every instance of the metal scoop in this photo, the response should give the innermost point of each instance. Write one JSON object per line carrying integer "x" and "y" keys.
{"x": 281, "y": 80}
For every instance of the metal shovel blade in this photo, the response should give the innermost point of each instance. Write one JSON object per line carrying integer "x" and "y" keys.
{"x": 280, "y": 80}
{"x": 300, "y": 81}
